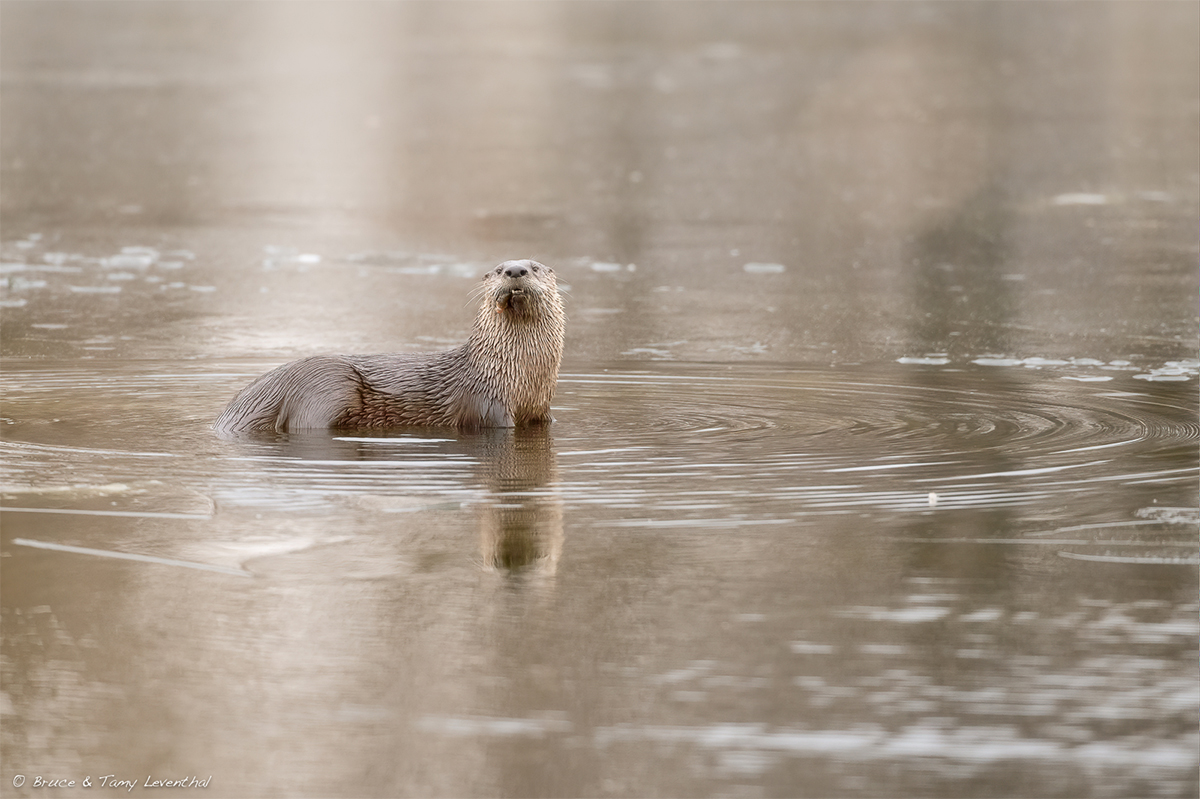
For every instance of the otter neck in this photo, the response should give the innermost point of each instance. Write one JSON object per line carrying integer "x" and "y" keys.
{"x": 517, "y": 356}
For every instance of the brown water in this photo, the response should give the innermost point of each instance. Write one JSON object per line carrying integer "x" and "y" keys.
{"x": 875, "y": 464}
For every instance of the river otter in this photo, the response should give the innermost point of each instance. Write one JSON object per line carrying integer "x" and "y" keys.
{"x": 504, "y": 376}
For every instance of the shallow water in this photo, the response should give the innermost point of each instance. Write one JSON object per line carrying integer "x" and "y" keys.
{"x": 875, "y": 457}
{"x": 703, "y": 577}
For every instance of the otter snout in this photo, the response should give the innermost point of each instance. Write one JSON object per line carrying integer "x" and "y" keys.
{"x": 517, "y": 268}
{"x": 519, "y": 285}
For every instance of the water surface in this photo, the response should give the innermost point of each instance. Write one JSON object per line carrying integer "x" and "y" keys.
{"x": 875, "y": 457}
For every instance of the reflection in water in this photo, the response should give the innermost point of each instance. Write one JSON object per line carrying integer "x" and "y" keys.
{"x": 521, "y": 525}
{"x": 509, "y": 474}
{"x": 964, "y": 301}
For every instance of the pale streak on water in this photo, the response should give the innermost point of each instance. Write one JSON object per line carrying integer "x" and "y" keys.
{"x": 875, "y": 457}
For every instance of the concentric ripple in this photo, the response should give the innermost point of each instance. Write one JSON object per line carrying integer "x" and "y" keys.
{"x": 707, "y": 445}
{"x": 785, "y": 440}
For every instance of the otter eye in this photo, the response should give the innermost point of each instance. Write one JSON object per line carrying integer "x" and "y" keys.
{"x": 534, "y": 268}
{"x": 499, "y": 270}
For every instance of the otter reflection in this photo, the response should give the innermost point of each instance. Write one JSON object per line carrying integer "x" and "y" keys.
{"x": 521, "y": 521}
{"x": 508, "y": 472}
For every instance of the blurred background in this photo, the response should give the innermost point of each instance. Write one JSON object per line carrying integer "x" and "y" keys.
{"x": 963, "y": 178}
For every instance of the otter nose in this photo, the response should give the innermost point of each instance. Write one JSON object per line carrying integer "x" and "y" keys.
{"x": 516, "y": 270}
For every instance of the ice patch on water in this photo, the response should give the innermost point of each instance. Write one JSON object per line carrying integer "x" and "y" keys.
{"x": 9, "y": 268}
{"x": 454, "y": 269}
{"x": 1169, "y": 371}
{"x": 1162, "y": 377}
{"x": 982, "y": 615}
{"x": 1169, "y": 515}
{"x": 756, "y": 268}
{"x": 127, "y": 265}
{"x": 288, "y": 256}
{"x": 422, "y": 269}
{"x": 810, "y": 648}
{"x": 95, "y": 289}
{"x": 472, "y": 726}
{"x": 408, "y": 263}
{"x": 1172, "y": 371}
{"x": 655, "y": 354}
{"x": 129, "y": 261}
{"x": 1081, "y": 198}
{"x": 912, "y": 615}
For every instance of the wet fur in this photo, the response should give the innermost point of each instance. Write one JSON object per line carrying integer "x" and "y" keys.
{"x": 504, "y": 376}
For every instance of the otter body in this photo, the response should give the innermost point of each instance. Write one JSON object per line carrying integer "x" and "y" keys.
{"x": 504, "y": 376}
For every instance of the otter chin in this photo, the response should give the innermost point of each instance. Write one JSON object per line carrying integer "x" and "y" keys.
{"x": 511, "y": 299}
{"x": 504, "y": 376}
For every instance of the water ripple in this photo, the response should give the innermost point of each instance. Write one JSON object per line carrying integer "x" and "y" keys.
{"x": 791, "y": 439}
{"x": 702, "y": 444}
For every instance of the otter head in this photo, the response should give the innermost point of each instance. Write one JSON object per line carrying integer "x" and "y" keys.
{"x": 521, "y": 290}
{"x": 516, "y": 345}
